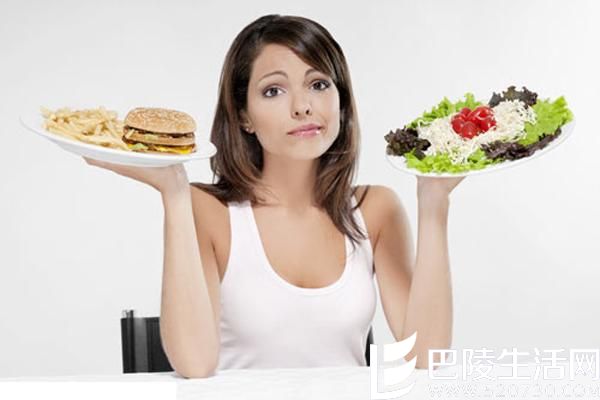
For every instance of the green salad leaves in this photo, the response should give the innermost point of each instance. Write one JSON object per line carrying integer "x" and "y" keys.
{"x": 442, "y": 163}
{"x": 550, "y": 117}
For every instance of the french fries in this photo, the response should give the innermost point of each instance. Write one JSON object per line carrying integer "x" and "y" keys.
{"x": 95, "y": 126}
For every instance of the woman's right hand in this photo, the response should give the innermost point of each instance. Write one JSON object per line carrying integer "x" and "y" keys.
{"x": 162, "y": 179}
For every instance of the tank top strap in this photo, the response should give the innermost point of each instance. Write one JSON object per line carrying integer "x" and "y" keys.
{"x": 241, "y": 237}
{"x": 365, "y": 244}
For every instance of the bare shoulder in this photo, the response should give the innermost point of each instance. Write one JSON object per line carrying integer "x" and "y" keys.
{"x": 205, "y": 200}
{"x": 209, "y": 211}
{"x": 381, "y": 196}
{"x": 380, "y": 204}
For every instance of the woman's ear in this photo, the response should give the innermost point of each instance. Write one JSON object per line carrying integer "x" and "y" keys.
{"x": 245, "y": 123}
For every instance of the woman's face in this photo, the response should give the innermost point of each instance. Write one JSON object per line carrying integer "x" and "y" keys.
{"x": 285, "y": 93}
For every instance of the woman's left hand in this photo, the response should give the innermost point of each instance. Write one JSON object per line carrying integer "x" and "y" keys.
{"x": 432, "y": 187}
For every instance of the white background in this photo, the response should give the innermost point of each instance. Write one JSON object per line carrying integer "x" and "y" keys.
{"x": 79, "y": 244}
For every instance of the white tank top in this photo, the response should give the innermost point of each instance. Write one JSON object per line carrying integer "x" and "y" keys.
{"x": 267, "y": 322}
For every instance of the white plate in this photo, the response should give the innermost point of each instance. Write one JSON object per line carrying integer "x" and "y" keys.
{"x": 399, "y": 162}
{"x": 34, "y": 121}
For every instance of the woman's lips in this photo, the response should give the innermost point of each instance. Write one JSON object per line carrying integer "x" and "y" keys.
{"x": 307, "y": 132}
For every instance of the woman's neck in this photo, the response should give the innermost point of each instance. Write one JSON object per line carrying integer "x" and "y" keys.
{"x": 290, "y": 183}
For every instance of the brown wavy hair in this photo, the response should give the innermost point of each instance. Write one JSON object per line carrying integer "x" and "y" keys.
{"x": 237, "y": 165}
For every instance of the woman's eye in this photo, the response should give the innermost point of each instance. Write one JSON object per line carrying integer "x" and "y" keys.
{"x": 321, "y": 84}
{"x": 271, "y": 92}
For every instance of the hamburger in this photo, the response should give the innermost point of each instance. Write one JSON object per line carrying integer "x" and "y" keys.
{"x": 159, "y": 130}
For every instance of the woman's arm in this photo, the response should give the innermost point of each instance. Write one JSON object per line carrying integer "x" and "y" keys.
{"x": 188, "y": 325}
{"x": 429, "y": 309}
{"x": 416, "y": 293}
{"x": 189, "y": 312}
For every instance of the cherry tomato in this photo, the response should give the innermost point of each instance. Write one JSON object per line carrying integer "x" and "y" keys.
{"x": 482, "y": 111}
{"x": 465, "y": 111}
{"x": 480, "y": 123}
{"x": 479, "y": 113}
{"x": 457, "y": 124}
{"x": 469, "y": 130}
{"x": 486, "y": 123}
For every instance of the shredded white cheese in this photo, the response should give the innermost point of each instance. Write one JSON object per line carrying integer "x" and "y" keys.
{"x": 510, "y": 117}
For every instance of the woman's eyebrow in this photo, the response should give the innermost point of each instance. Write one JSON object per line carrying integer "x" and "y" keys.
{"x": 308, "y": 71}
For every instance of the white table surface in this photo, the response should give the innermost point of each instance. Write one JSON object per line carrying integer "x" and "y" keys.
{"x": 328, "y": 383}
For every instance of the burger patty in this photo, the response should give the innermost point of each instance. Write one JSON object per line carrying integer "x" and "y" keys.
{"x": 159, "y": 134}
{"x": 138, "y": 136}
{"x": 155, "y": 148}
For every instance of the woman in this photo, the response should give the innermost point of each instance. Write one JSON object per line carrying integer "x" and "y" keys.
{"x": 273, "y": 264}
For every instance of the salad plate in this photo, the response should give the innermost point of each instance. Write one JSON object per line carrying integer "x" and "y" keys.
{"x": 469, "y": 137}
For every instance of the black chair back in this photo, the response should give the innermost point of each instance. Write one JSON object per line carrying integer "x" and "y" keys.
{"x": 142, "y": 349}
{"x": 141, "y": 345}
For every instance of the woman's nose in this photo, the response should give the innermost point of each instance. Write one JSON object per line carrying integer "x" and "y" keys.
{"x": 307, "y": 111}
{"x": 302, "y": 107}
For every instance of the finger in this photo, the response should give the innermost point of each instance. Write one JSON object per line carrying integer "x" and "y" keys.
{"x": 89, "y": 161}
{"x": 96, "y": 163}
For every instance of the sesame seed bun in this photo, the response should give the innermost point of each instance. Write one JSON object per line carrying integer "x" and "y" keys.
{"x": 160, "y": 120}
